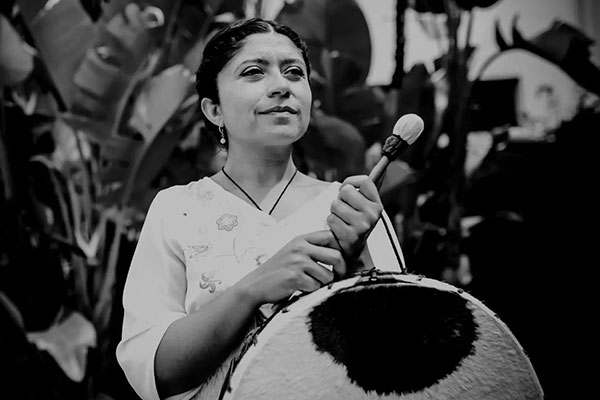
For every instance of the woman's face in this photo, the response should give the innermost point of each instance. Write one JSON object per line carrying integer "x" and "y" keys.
{"x": 264, "y": 93}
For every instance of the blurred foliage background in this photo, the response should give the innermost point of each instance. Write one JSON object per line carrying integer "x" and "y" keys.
{"x": 98, "y": 113}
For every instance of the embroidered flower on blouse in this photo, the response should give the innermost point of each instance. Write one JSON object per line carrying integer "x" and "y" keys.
{"x": 227, "y": 222}
{"x": 209, "y": 282}
{"x": 198, "y": 250}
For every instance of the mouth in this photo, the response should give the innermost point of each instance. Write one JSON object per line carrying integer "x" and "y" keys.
{"x": 279, "y": 109}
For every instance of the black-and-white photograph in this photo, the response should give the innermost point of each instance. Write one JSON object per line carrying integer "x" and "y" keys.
{"x": 298, "y": 199}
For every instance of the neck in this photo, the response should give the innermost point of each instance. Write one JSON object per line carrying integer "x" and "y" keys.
{"x": 260, "y": 170}
{"x": 258, "y": 179}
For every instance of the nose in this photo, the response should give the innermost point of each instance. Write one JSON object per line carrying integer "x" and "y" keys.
{"x": 279, "y": 85}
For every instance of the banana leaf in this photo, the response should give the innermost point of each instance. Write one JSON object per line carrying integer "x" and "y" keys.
{"x": 562, "y": 45}
{"x": 62, "y": 32}
{"x": 16, "y": 57}
{"x": 162, "y": 112}
{"x": 68, "y": 343}
{"x": 159, "y": 99}
{"x": 331, "y": 25}
{"x": 332, "y": 147}
{"x": 111, "y": 68}
{"x": 363, "y": 107}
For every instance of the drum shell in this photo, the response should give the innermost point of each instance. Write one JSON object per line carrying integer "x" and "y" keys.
{"x": 286, "y": 359}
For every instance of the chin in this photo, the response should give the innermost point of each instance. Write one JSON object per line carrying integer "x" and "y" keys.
{"x": 285, "y": 135}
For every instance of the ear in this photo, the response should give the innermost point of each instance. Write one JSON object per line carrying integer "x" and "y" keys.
{"x": 212, "y": 111}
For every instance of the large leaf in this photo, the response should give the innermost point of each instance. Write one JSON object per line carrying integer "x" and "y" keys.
{"x": 108, "y": 72}
{"x": 363, "y": 107}
{"x": 160, "y": 117}
{"x": 118, "y": 158}
{"x": 129, "y": 162}
{"x": 332, "y": 25}
{"x": 62, "y": 31}
{"x": 332, "y": 147}
{"x": 16, "y": 58}
{"x": 565, "y": 46}
{"x": 68, "y": 342}
{"x": 159, "y": 99}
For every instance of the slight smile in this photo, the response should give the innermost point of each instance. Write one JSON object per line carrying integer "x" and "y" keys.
{"x": 279, "y": 109}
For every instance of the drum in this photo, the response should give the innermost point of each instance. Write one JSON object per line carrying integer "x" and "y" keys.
{"x": 382, "y": 335}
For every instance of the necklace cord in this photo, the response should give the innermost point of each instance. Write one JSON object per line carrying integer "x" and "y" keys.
{"x": 251, "y": 199}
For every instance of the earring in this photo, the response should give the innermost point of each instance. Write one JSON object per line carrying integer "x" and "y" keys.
{"x": 223, "y": 139}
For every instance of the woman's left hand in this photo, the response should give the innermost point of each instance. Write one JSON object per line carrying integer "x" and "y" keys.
{"x": 354, "y": 214}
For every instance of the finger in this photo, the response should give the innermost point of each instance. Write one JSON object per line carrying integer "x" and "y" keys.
{"x": 337, "y": 261}
{"x": 349, "y": 195}
{"x": 343, "y": 233}
{"x": 323, "y": 238}
{"x": 307, "y": 283}
{"x": 340, "y": 270}
{"x": 367, "y": 208}
{"x": 329, "y": 255}
{"x": 320, "y": 273}
{"x": 365, "y": 186}
{"x": 325, "y": 248}
{"x": 344, "y": 211}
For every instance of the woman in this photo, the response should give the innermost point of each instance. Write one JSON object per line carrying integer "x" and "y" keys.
{"x": 215, "y": 251}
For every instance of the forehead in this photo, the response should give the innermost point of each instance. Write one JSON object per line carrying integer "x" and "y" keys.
{"x": 267, "y": 46}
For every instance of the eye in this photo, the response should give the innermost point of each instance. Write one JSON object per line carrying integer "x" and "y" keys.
{"x": 295, "y": 71}
{"x": 250, "y": 71}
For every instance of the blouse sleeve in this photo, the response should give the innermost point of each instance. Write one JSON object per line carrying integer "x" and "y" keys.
{"x": 384, "y": 246}
{"x": 153, "y": 296}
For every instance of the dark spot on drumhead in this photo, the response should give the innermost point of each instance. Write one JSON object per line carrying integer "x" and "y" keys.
{"x": 395, "y": 339}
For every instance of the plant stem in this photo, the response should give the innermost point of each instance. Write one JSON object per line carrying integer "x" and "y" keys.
{"x": 6, "y": 177}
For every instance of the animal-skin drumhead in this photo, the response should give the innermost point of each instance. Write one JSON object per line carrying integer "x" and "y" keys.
{"x": 414, "y": 339}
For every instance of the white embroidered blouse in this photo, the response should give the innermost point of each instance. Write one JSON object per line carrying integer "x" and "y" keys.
{"x": 197, "y": 241}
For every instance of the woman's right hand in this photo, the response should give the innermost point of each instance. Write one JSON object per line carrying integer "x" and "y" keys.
{"x": 295, "y": 267}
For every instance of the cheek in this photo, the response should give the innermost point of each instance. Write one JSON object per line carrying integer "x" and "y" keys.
{"x": 237, "y": 104}
{"x": 309, "y": 98}
{"x": 306, "y": 109}
{"x": 306, "y": 93}
{"x": 307, "y": 105}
